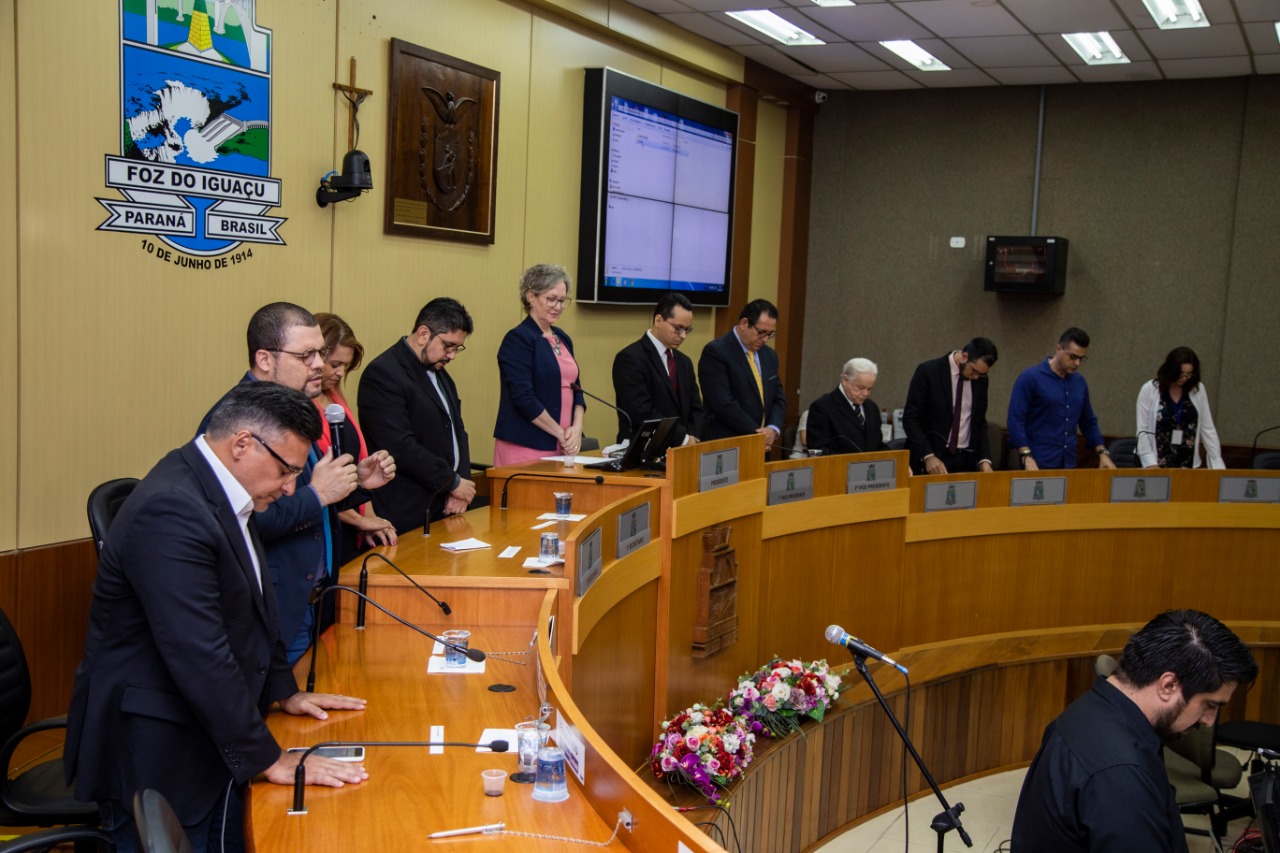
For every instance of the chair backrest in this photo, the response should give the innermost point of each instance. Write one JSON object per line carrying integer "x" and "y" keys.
{"x": 1104, "y": 665}
{"x": 159, "y": 830}
{"x": 104, "y": 502}
{"x": 1124, "y": 452}
{"x": 1268, "y": 460}
{"x": 15, "y": 680}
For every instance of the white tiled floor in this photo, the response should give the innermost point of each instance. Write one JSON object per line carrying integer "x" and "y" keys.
{"x": 989, "y": 804}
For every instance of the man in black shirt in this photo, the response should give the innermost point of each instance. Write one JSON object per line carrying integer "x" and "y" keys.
{"x": 1098, "y": 782}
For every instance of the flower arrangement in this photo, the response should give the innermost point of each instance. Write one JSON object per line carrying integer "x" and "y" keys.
{"x": 704, "y": 747}
{"x": 781, "y": 693}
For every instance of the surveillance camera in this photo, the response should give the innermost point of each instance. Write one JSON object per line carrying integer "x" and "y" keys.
{"x": 820, "y": 97}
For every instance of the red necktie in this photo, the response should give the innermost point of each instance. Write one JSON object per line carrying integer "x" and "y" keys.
{"x": 671, "y": 372}
{"x": 953, "y": 442}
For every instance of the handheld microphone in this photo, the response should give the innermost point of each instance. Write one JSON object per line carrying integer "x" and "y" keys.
{"x": 599, "y": 480}
{"x": 300, "y": 772}
{"x": 426, "y": 522}
{"x": 472, "y": 654}
{"x": 837, "y": 637}
{"x": 364, "y": 578}
{"x": 576, "y": 385}
{"x": 336, "y": 417}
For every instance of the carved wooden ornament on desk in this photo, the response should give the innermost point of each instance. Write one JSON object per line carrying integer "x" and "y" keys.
{"x": 716, "y": 625}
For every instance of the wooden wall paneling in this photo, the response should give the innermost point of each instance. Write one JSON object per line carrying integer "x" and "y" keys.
{"x": 682, "y": 462}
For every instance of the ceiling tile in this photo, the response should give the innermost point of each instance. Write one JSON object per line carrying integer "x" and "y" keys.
{"x": 947, "y": 18}
{"x": 1003, "y": 51}
{"x": 732, "y": 5}
{"x": 868, "y": 22}
{"x": 836, "y": 57}
{"x": 1046, "y": 76}
{"x": 1117, "y": 73}
{"x": 1268, "y": 64}
{"x": 774, "y": 58}
{"x": 658, "y": 6}
{"x": 1257, "y": 10}
{"x": 956, "y": 79}
{"x": 1076, "y": 16}
{"x": 726, "y": 33}
{"x": 1194, "y": 44}
{"x": 867, "y": 80}
{"x": 1222, "y": 66}
{"x": 822, "y": 82}
{"x": 1262, "y": 37}
{"x": 937, "y": 47}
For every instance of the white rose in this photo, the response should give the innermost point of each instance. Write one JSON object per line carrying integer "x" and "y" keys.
{"x": 731, "y": 743}
{"x": 781, "y": 691}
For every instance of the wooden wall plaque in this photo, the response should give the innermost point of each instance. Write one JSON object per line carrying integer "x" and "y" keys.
{"x": 716, "y": 625}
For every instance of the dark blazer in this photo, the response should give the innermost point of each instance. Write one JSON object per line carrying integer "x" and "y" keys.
{"x": 927, "y": 416}
{"x": 729, "y": 392}
{"x": 530, "y": 383}
{"x": 642, "y": 389}
{"x": 401, "y": 412}
{"x": 833, "y": 428}
{"x": 183, "y": 655}
{"x": 292, "y": 530}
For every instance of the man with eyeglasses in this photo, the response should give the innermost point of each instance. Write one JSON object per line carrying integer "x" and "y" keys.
{"x": 183, "y": 657}
{"x": 741, "y": 389}
{"x": 410, "y": 405}
{"x": 1050, "y": 402}
{"x": 653, "y": 379}
{"x": 946, "y": 414}
{"x": 299, "y": 530}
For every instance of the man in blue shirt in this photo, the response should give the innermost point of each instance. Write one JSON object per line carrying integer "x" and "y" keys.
{"x": 1050, "y": 401}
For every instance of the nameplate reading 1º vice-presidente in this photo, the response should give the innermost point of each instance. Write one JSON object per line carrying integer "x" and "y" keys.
{"x": 794, "y": 484}
{"x": 718, "y": 469}
{"x": 633, "y": 529}
{"x": 590, "y": 561}
{"x": 871, "y": 476}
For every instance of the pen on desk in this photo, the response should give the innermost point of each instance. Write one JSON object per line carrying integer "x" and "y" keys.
{"x": 471, "y": 830}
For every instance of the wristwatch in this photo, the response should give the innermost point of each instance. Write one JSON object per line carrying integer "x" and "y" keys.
{"x": 1102, "y": 451}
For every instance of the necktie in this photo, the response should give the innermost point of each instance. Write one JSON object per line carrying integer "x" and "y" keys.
{"x": 862, "y": 418}
{"x": 953, "y": 441}
{"x": 671, "y": 372}
{"x": 755, "y": 374}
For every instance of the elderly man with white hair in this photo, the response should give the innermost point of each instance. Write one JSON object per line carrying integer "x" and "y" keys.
{"x": 847, "y": 420}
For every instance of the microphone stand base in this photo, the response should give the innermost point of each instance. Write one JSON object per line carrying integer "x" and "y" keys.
{"x": 292, "y": 812}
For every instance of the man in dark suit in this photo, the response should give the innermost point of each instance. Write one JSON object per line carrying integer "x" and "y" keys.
{"x": 183, "y": 656}
{"x": 287, "y": 348}
{"x": 946, "y": 433}
{"x": 847, "y": 420}
{"x": 741, "y": 389}
{"x": 410, "y": 406}
{"x": 653, "y": 379}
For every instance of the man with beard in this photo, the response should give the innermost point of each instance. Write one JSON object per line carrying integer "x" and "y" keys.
{"x": 1099, "y": 782}
{"x": 410, "y": 406}
{"x": 286, "y": 347}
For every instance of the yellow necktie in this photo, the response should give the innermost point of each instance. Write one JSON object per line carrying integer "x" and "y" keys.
{"x": 755, "y": 374}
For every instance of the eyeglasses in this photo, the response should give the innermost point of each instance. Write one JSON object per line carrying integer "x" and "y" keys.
{"x": 1185, "y": 375}
{"x": 678, "y": 329}
{"x": 449, "y": 349}
{"x": 305, "y": 357}
{"x": 557, "y": 301}
{"x": 760, "y": 333}
{"x": 291, "y": 471}
{"x": 1078, "y": 359}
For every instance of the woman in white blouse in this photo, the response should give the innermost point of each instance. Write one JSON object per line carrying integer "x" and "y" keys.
{"x": 1174, "y": 422}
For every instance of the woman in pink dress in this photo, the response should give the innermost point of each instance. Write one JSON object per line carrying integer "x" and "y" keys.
{"x": 539, "y": 411}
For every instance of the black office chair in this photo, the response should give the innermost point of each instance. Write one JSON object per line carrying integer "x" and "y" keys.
{"x": 896, "y": 444}
{"x": 38, "y": 796}
{"x": 1267, "y": 460}
{"x": 104, "y": 502}
{"x": 159, "y": 830}
{"x": 1124, "y": 452}
{"x": 1192, "y": 761}
{"x": 85, "y": 838}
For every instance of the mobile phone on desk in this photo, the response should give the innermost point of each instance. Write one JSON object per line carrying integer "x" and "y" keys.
{"x": 338, "y": 753}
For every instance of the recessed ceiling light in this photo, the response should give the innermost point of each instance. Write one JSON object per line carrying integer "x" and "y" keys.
{"x": 1096, "y": 48}
{"x": 775, "y": 27}
{"x": 1176, "y": 14}
{"x": 830, "y": 3}
{"x": 1277, "y": 30}
{"x": 916, "y": 55}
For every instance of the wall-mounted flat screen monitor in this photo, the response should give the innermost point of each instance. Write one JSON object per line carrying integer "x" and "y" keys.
{"x": 657, "y": 193}
{"x": 1026, "y": 265}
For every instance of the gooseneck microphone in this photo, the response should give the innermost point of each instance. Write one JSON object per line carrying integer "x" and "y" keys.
{"x": 300, "y": 772}
{"x": 576, "y": 385}
{"x": 1253, "y": 453}
{"x": 336, "y": 417}
{"x": 597, "y": 479}
{"x": 426, "y": 522}
{"x": 364, "y": 587}
{"x": 838, "y": 637}
{"x": 472, "y": 654}
{"x": 857, "y": 448}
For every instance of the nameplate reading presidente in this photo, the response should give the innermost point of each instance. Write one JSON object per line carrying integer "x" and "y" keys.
{"x": 871, "y": 476}
{"x": 718, "y": 469}
{"x": 590, "y": 561}
{"x": 960, "y": 494}
{"x": 1036, "y": 491}
{"x": 1249, "y": 490}
{"x": 633, "y": 529}
{"x": 794, "y": 484}
{"x": 1139, "y": 490}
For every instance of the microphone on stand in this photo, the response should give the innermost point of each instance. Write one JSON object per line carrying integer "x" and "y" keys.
{"x": 300, "y": 772}
{"x": 576, "y": 385}
{"x": 472, "y": 654}
{"x": 857, "y": 448}
{"x": 597, "y": 478}
{"x": 364, "y": 587}
{"x": 837, "y": 637}
{"x": 336, "y": 417}
{"x": 426, "y": 522}
{"x": 1254, "y": 452}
